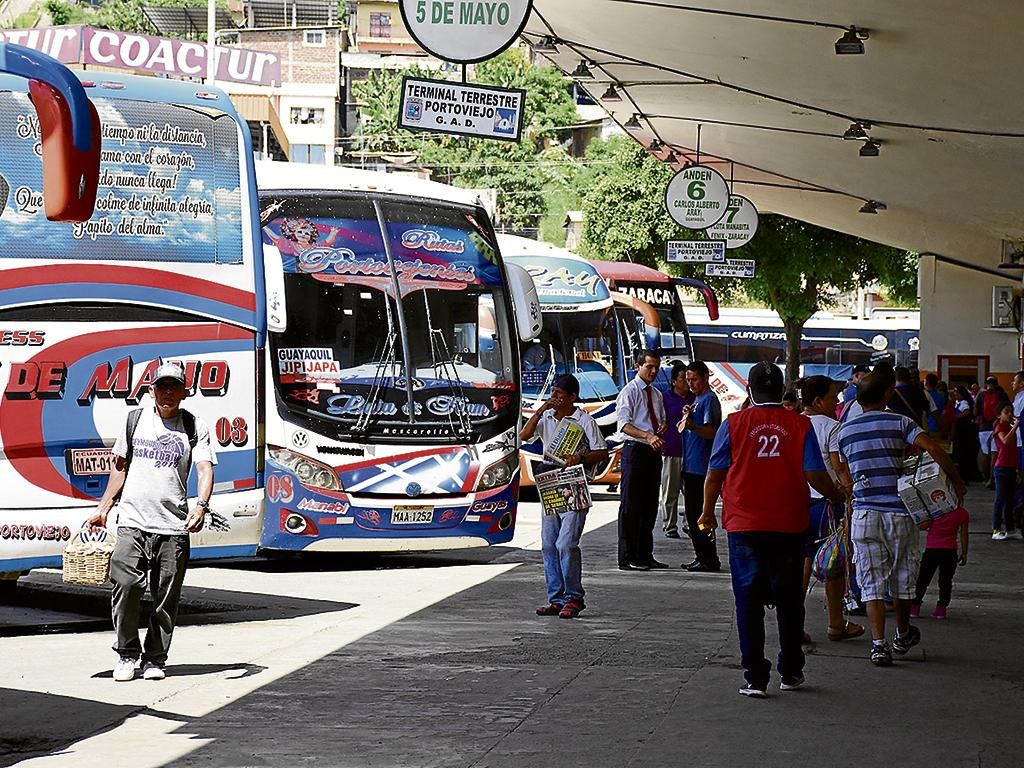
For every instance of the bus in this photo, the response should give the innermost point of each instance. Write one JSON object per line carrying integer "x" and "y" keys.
{"x": 581, "y": 335}
{"x": 393, "y": 383}
{"x": 167, "y": 268}
{"x": 651, "y": 311}
{"x": 830, "y": 345}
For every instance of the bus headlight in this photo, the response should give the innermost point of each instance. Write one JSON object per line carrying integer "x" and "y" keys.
{"x": 499, "y": 473}
{"x": 309, "y": 472}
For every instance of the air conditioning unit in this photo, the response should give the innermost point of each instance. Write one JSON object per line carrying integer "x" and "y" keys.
{"x": 1003, "y": 307}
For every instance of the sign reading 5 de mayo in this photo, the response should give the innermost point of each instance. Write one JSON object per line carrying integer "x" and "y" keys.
{"x": 739, "y": 224}
{"x": 697, "y": 197}
{"x": 465, "y": 30}
{"x": 485, "y": 112}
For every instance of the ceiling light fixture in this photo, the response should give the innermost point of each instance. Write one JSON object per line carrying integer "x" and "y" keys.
{"x": 633, "y": 124}
{"x": 872, "y": 206}
{"x": 852, "y": 41}
{"x": 870, "y": 148}
{"x": 582, "y": 72}
{"x": 654, "y": 146}
{"x": 611, "y": 94}
{"x": 858, "y": 131}
{"x": 671, "y": 158}
{"x": 547, "y": 44}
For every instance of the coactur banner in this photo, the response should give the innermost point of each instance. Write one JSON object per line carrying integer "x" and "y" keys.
{"x": 162, "y": 55}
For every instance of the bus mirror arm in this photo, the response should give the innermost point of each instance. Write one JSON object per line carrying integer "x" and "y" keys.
{"x": 273, "y": 276}
{"x": 525, "y": 302}
{"x": 70, "y": 129}
{"x": 710, "y": 298}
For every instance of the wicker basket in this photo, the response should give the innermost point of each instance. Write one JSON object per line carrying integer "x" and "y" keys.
{"x": 87, "y": 557}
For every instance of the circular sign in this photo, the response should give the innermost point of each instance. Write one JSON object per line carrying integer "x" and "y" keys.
{"x": 739, "y": 224}
{"x": 697, "y": 197}
{"x": 465, "y": 31}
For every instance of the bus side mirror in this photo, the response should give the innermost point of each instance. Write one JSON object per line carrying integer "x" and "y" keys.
{"x": 525, "y": 302}
{"x": 70, "y": 175}
{"x": 273, "y": 279}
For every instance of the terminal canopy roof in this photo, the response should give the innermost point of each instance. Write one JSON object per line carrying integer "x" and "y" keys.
{"x": 937, "y": 86}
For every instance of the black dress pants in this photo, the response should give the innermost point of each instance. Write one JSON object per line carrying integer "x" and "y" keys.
{"x": 704, "y": 548}
{"x": 639, "y": 486}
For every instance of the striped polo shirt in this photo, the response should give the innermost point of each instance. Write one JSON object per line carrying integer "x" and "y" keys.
{"x": 874, "y": 445}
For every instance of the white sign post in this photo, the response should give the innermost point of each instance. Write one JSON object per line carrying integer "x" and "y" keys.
{"x": 697, "y": 197}
{"x": 739, "y": 225}
{"x": 731, "y": 268}
{"x": 465, "y": 31}
{"x": 690, "y": 251}
{"x": 482, "y": 111}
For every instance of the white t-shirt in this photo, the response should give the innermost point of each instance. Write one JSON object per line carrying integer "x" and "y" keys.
{"x": 1018, "y": 411}
{"x": 154, "y": 495}
{"x": 826, "y": 430}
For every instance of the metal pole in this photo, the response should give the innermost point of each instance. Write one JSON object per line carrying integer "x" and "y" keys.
{"x": 211, "y": 42}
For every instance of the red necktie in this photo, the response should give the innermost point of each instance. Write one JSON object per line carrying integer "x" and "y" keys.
{"x": 650, "y": 409}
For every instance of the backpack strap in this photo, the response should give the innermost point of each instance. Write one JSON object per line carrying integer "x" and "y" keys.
{"x": 132, "y": 425}
{"x": 188, "y": 421}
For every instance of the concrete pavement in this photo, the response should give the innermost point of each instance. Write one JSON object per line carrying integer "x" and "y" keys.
{"x": 438, "y": 660}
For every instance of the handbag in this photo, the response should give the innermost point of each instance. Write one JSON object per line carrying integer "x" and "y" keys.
{"x": 832, "y": 558}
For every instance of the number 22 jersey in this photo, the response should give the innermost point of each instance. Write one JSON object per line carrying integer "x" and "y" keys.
{"x": 766, "y": 450}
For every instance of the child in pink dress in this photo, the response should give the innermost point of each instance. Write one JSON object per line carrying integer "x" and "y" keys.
{"x": 940, "y": 553}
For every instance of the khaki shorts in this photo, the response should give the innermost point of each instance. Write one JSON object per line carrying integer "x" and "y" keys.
{"x": 886, "y": 553}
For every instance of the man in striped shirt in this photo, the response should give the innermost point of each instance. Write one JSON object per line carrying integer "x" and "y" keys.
{"x": 886, "y": 542}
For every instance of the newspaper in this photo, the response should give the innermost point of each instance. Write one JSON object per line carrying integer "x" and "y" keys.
{"x": 563, "y": 490}
{"x": 569, "y": 440}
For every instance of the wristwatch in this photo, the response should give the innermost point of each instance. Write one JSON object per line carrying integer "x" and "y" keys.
{"x": 203, "y": 503}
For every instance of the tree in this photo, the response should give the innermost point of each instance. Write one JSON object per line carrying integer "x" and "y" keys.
{"x": 801, "y": 268}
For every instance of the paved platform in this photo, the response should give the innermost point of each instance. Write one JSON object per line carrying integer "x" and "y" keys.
{"x": 439, "y": 660}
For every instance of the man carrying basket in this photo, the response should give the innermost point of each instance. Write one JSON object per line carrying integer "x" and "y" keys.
{"x": 147, "y": 491}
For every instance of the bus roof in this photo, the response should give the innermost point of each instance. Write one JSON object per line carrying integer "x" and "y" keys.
{"x": 114, "y": 85}
{"x": 755, "y": 317}
{"x": 624, "y": 270}
{"x": 273, "y": 175}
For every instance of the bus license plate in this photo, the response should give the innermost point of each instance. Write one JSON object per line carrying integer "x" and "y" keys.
{"x": 91, "y": 461}
{"x": 412, "y": 515}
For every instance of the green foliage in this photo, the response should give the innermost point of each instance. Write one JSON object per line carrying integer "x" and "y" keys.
{"x": 519, "y": 171}
{"x": 61, "y": 12}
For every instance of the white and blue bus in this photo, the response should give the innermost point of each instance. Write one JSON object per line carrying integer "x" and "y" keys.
{"x": 393, "y": 382}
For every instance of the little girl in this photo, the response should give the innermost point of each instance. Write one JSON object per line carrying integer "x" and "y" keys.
{"x": 940, "y": 554}
{"x": 1004, "y": 436}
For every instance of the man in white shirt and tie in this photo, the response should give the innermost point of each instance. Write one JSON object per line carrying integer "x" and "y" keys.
{"x": 640, "y": 413}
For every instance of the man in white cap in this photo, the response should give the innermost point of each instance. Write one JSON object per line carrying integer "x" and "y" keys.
{"x": 147, "y": 493}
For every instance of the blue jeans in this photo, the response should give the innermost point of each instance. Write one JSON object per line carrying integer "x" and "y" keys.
{"x": 1006, "y": 490}
{"x": 767, "y": 569}
{"x": 563, "y": 562}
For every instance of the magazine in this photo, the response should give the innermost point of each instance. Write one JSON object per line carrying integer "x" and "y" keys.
{"x": 564, "y": 490}
{"x": 569, "y": 440}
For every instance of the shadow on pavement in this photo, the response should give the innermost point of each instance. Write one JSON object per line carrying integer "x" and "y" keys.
{"x": 314, "y": 562}
{"x": 191, "y": 670}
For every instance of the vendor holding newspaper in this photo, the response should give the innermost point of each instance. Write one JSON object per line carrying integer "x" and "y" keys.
{"x": 572, "y": 443}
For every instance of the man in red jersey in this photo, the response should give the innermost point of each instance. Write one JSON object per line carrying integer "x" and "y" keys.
{"x": 764, "y": 457}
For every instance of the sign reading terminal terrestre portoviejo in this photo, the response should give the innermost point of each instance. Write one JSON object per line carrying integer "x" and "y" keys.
{"x": 465, "y": 31}
{"x": 696, "y": 197}
{"x": 731, "y": 268}
{"x": 686, "y": 251}
{"x": 739, "y": 225}
{"x": 481, "y": 111}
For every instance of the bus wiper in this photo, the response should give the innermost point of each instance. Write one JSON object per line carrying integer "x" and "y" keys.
{"x": 548, "y": 379}
{"x": 442, "y": 367}
{"x": 389, "y": 359}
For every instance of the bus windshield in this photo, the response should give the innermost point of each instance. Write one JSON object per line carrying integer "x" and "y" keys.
{"x": 588, "y": 341}
{"x": 397, "y": 316}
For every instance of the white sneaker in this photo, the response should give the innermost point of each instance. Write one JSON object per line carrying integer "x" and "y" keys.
{"x": 151, "y": 671}
{"x": 753, "y": 692}
{"x": 999, "y": 536}
{"x": 124, "y": 670}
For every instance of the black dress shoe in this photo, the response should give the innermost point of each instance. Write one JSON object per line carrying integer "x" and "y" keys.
{"x": 671, "y": 534}
{"x": 656, "y": 565}
{"x": 634, "y": 567}
{"x": 689, "y": 565}
{"x": 701, "y": 568}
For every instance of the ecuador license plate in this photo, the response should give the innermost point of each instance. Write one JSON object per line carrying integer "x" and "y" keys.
{"x": 412, "y": 515}
{"x": 91, "y": 461}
